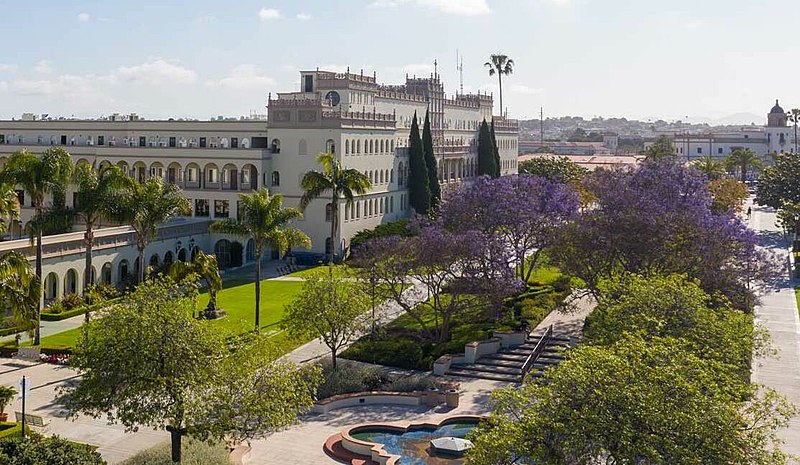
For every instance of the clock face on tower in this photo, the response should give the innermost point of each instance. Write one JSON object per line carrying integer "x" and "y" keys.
{"x": 333, "y": 96}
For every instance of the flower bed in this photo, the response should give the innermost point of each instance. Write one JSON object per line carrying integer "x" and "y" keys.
{"x": 55, "y": 359}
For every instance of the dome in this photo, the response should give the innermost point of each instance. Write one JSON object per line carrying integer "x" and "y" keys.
{"x": 777, "y": 108}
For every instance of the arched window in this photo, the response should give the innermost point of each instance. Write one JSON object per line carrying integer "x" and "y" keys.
{"x": 358, "y": 209}
{"x": 391, "y": 148}
{"x": 347, "y": 147}
{"x": 400, "y": 180}
{"x": 275, "y": 147}
{"x": 358, "y": 146}
{"x": 328, "y": 211}
{"x": 370, "y": 207}
{"x": 302, "y": 147}
{"x": 382, "y": 146}
{"x": 276, "y": 178}
{"x": 391, "y": 175}
{"x": 330, "y": 146}
{"x": 370, "y": 146}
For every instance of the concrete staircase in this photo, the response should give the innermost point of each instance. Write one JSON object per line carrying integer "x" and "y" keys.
{"x": 506, "y": 364}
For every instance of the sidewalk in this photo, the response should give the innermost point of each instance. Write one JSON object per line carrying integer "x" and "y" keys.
{"x": 49, "y": 328}
{"x": 777, "y": 312}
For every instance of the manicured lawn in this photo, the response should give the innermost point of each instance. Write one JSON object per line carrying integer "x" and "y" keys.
{"x": 317, "y": 270}
{"x": 238, "y": 301}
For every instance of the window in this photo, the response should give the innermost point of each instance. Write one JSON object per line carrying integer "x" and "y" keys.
{"x": 63, "y": 140}
{"x": 142, "y": 141}
{"x": 699, "y": 149}
{"x": 101, "y": 140}
{"x": 234, "y": 142}
{"x": 201, "y": 207}
{"x": 302, "y": 147}
{"x": 275, "y": 146}
{"x": 191, "y": 174}
{"x": 221, "y": 208}
{"x": 276, "y": 178}
{"x": 173, "y": 142}
{"x": 328, "y": 212}
{"x": 347, "y": 147}
{"x": 203, "y": 142}
{"x": 719, "y": 150}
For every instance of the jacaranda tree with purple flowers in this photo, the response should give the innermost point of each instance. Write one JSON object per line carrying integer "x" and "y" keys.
{"x": 522, "y": 212}
{"x": 460, "y": 272}
{"x": 657, "y": 220}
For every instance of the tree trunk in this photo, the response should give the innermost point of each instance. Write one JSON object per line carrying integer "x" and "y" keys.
{"x": 500, "y": 84}
{"x": 87, "y": 272}
{"x": 39, "y": 253}
{"x": 744, "y": 172}
{"x": 334, "y": 215}
{"x": 333, "y": 358}
{"x": 38, "y": 267}
{"x": 175, "y": 435}
{"x": 140, "y": 247}
{"x": 258, "y": 288}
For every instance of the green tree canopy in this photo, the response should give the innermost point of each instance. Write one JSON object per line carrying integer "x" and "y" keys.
{"x": 558, "y": 169}
{"x": 634, "y": 402}
{"x": 500, "y": 65}
{"x": 330, "y": 307}
{"x": 486, "y": 160}
{"x": 662, "y": 148}
{"x": 205, "y": 267}
{"x": 744, "y": 160}
{"x": 148, "y": 363}
{"x": 780, "y": 182}
{"x": 712, "y": 168}
{"x": 430, "y": 164}
{"x": 419, "y": 193}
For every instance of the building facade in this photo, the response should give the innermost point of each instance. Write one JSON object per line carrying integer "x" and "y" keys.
{"x": 365, "y": 124}
{"x": 775, "y": 137}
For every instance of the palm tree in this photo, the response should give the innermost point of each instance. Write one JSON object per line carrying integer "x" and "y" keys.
{"x": 340, "y": 182}
{"x": 264, "y": 219}
{"x": 206, "y": 268}
{"x": 500, "y": 65}
{"x": 9, "y": 207}
{"x": 99, "y": 193}
{"x": 712, "y": 168}
{"x": 743, "y": 159}
{"x": 794, "y": 117}
{"x": 20, "y": 290}
{"x": 149, "y": 204}
{"x": 39, "y": 176}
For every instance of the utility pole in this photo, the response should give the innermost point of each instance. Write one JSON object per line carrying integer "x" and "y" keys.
{"x": 541, "y": 124}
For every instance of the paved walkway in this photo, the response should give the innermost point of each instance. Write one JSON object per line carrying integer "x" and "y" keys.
{"x": 777, "y": 311}
{"x": 113, "y": 443}
{"x": 51, "y": 327}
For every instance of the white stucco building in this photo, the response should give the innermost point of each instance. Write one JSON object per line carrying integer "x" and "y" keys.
{"x": 365, "y": 124}
{"x": 775, "y": 137}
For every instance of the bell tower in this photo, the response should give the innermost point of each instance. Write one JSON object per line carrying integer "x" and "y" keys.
{"x": 776, "y": 116}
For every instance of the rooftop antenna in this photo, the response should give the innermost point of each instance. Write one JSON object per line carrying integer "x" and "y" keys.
{"x": 460, "y": 69}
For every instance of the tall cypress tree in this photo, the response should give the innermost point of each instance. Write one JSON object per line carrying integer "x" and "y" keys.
{"x": 419, "y": 195}
{"x": 496, "y": 152}
{"x": 486, "y": 163}
{"x": 430, "y": 164}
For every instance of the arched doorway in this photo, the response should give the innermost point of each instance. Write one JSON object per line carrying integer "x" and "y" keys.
{"x": 168, "y": 258}
{"x": 105, "y": 273}
{"x": 50, "y": 287}
{"x": 71, "y": 282}
{"x": 250, "y": 251}
{"x": 182, "y": 255}
{"x": 222, "y": 249}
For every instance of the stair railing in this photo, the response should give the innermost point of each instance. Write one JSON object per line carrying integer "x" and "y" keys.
{"x": 537, "y": 351}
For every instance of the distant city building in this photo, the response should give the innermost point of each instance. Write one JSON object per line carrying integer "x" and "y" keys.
{"x": 591, "y": 162}
{"x": 775, "y": 137}
{"x": 364, "y": 123}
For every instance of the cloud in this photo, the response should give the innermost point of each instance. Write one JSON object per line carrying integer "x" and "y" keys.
{"x": 155, "y": 73}
{"x": 43, "y": 67}
{"x": 268, "y": 14}
{"x": 243, "y": 77}
{"x": 8, "y": 68}
{"x": 303, "y": 16}
{"x": 84, "y": 17}
{"x": 68, "y": 86}
{"x": 454, "y": 7}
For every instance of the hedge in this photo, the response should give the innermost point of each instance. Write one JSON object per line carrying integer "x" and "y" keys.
{"x": 75, "y": 311}
{"x": 10, "y": 429}
{"x": 7, "y": 331}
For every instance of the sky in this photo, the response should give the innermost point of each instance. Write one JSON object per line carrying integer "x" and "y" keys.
{"x": 644, "y": 59}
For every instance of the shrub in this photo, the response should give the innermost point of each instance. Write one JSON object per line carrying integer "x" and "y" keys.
{"x": 398, "y": 352}
{"x": 347, "y": 378}
{"x": 392, "y": 228}
{"x": 103, "y": 292}
{"x": 411, "y": 383}
{"x": 52, "y": 451}
{"x": 70, "y": 301}
{"x": 193, "y": 453}
{"x": 55, "y": 308}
